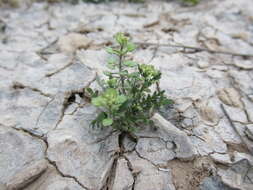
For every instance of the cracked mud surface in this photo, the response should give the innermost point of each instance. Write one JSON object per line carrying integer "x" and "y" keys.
{"x": 49, "y": 53}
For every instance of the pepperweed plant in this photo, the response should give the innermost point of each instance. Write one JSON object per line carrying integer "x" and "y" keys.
{"x": 127, "y": 101}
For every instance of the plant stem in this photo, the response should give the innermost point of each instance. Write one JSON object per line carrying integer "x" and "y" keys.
{"x": 120, "y": 70}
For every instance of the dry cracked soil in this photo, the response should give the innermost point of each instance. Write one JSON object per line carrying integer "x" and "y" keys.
{"x": 49, "y": 53}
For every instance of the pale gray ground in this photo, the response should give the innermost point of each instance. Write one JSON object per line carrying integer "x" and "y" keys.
{"x": 50, "y": 53}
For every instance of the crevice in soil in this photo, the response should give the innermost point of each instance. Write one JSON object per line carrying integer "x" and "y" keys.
{"x": 196, "y": 49}
{"x": 110, "y": 179}
{"x": 44, "y": 139}
{"x": 133, "y": 172}
{"x": 104, "y": 138}
{"x": 43, "y": 110}
{"x": 64, "y": 175}
{"x": 139, "y": 155}
{"x": 61, "y": 69}
{"x": 43, "y": 53}
{"x": 70, "y": 97}
{"x": 119, "y": 154}
{"x": 17, "y": 85}
{"x": 65, "y": 104}
{"x": 25, "y": 131}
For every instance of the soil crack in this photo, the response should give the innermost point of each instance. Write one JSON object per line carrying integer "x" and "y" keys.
{"x": 17, "y": 85}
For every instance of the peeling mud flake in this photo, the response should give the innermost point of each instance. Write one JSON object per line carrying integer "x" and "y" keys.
{"x": 72, "y": 42}
{"x": 155, "y": 150}
{"x": 28, "y": 175}
{"x": 230, "y": 96}
{"x": 18, "y": 150}
{"x": 184, "y": 149}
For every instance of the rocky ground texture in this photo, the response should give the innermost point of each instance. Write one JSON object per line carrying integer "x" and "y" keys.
{"x": 49, "y": 53}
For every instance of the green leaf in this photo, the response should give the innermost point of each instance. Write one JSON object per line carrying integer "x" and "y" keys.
{"x": 98, "y": 101}
{"x": 112, "y": 82}
{"x": 107, "y": 73}
{"x": 112, "y": 51}
{"x": 130, "y": 47}
{"x": 107, "y": 122}
{"x": 123, "y": 73}
{"x": 101, "y": 116}
{"x": 111, "y": 66}
{"x": 130, "y": 63}
{"x": 111, "y": 63}
{"x": 121, "y": 38}
{"x": 121, "y": 99}
{"x": 90, "y": 91}
{"x": 191, "y": 2}
{"x": 167, "y": 101}
{"x": 110, "y": 93}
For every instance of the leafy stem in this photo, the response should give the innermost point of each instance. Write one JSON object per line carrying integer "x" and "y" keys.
{"x": 127, "y": 101}
{"x": 120, "y": 69}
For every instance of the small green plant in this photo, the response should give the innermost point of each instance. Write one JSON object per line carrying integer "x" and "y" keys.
{"x": 127, "y": 101}
{"x": 191, "y": 2}
{"x": 100, "y": 1}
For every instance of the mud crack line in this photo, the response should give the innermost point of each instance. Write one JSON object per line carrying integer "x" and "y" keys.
{"x": 196, "y": 49}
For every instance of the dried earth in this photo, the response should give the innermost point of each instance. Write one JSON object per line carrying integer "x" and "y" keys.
{"x": 51, "y": 52}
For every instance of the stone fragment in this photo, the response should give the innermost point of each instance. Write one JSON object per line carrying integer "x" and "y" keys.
{"x": 17, "y": 151}
{"x": 72, "y": 42}
{"x": 155, "y": 150}
{"x": 148, "y": 176}
{"x": 214, "y": 183}
{"x": 82, "y": 151}
{"x": 230, "y": 96}
{"x": 238, "y": 176}
{"x": 184, "y": 149}
{"x": 27, "y": 175}
{"x": 221, "y": 158}
{"x": 123, "y": 177}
